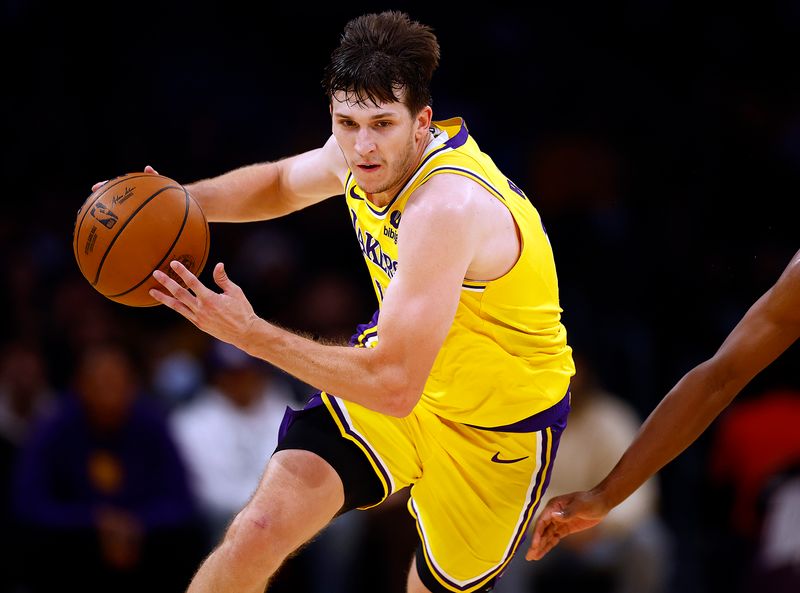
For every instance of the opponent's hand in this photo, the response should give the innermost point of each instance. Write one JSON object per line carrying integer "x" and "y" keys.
{"x": 564, "y": 515}
{"x": 227, "y": 316}
{"x": 99, "y": 184}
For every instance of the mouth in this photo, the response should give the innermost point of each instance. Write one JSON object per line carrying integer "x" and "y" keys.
{"x": 369, "y": 167}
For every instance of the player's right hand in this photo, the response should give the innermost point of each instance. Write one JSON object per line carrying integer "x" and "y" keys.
{"x": 562, "y": 516}
{"x": 99, "y": 184}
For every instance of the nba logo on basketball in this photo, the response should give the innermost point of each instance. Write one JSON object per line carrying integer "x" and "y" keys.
{"x": 103, "y": 215}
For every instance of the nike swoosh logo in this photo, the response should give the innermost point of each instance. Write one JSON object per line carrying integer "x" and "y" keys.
{"x": 496, "y": 459}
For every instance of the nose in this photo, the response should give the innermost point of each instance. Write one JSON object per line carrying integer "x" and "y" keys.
{"x": 364, "y": 141}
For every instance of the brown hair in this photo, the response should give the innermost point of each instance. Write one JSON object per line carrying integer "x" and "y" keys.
{"x": 380, "y": 55}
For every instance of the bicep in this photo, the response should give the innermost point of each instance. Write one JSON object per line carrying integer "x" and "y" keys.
{"x": 414, "y": 322}
{"x": 436, "y": 246}
{"x": 768, "y": 328}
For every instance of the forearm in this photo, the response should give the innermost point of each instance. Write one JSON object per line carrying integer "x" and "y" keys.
{"x": 767, "y": 329}
{"x": 679, "y": 419}
{"x": 361, "y": 375}
{"x": 246, "y": 194}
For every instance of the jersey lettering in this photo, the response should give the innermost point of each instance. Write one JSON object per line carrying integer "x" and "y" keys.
{"x": 371, "y": 249}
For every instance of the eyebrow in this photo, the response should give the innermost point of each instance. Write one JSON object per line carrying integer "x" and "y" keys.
{"x": 382, "y": 115}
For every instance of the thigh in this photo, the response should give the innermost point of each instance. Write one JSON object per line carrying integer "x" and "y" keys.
{"x": 475, "y": 500}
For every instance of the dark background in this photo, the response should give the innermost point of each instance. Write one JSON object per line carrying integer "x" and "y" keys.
{"x": 660, "y": 141}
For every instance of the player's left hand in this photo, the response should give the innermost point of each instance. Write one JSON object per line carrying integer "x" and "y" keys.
{"x": 227, "y": 316}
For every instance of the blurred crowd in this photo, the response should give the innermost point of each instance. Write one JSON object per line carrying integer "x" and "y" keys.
{"x": 660, "y": 141}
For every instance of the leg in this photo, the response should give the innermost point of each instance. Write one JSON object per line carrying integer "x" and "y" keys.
{"x": 299, "y": 494}
{"x": 463, "y": 478}
{"x": 414, "y": 584}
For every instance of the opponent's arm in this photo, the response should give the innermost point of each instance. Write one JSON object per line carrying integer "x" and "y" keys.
{"x": 438, "y": 239}
{"x": 768, "y": 328}
{"x": 269, "y": 190}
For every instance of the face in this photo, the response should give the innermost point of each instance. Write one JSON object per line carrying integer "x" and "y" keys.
{"x": 382, "y": 143}
{"x": 107, "y": 388}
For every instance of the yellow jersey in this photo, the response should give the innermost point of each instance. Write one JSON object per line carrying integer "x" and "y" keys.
{"x": 505, "y": 357}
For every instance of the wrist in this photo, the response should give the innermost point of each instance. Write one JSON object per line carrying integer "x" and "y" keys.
{"x": 252, "y": 337}
{"x": 603, "y": 498}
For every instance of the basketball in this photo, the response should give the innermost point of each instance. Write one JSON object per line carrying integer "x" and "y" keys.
{"x": 132, "y": 226}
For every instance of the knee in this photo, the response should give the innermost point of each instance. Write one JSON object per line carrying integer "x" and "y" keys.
{"x": 256, "y": 533}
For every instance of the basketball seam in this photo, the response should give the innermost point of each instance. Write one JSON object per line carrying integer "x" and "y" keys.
{"x": 79, "y": 226}
{"x": 122, "y": 228}
{"x": 175, "y": 242}
{"x": 207, "y": 246}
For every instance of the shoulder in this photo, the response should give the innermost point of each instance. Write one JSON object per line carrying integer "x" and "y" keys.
{"x": 324, "y": 163}
{"x": 331, "y": 156}
{"x": 449, "y": 194}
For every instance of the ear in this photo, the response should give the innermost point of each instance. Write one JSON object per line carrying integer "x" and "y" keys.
{"x": 423, "y": 122}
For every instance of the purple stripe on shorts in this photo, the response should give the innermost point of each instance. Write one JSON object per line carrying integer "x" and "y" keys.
{"x": 549, "y": 441}
{"x": 537, "y": 422}
{"x": 545, "y": 470}
{"x": 290, "y": 415}
{"x": 343, "y": 419}
{"x": 555, "y": 431}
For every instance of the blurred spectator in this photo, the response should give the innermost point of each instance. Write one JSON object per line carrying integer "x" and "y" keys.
{"x": 581, "y": 182}
{"x": 777, "y": 562}
{"x": 8, "y": 535}
{"x": 177, "y": 376}
{"x": 756, "y": 439}
{"x": 229, "y": 430}
{"x": 175, "y": 364}
{"x": 79, "y": 318}
{"x": 660, "y": 170}
{"x": 630, "y": 551}
{"x": 329, "y": 307}
{"x": 100, "y": 490}
{"x": 24, "y": 390}
{"x": 753, "y": 458}
{"x": 25, "y": 395}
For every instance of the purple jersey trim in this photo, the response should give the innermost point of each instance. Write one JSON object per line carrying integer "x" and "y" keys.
{"x": 460, "y": 138}
{"x": 365, "y": 328}
{"x": 468, "y": 172}
{"x": 537, "y": 422}
{"x": 452, "y": 143}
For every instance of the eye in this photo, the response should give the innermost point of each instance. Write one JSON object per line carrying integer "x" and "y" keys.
{"x": 383, "y": 124}
{"x": 347, "y": 123}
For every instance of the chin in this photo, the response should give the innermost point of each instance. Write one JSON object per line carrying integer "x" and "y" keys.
{"x": 370, "y": 187}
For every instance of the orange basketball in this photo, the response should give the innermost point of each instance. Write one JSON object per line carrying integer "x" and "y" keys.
{"x": 133, "y": 225}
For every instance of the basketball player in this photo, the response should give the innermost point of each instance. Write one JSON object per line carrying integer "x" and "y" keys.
{"x": 459, "y": 385}
{"x": 770, "y": 326}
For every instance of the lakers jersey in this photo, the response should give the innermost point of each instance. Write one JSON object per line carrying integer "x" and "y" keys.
{"x": 506, "y": 356}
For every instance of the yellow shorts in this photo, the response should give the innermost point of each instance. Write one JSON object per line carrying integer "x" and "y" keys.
{"x": 473, "y": 490}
